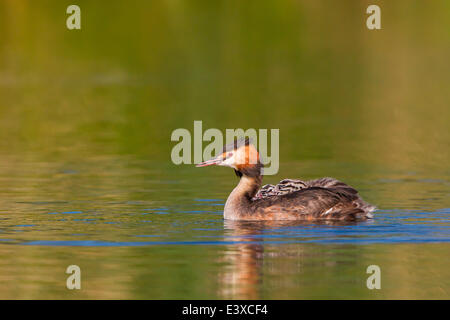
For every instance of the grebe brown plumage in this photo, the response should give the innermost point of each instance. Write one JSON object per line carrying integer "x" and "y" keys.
{"x": 320, "y": 199}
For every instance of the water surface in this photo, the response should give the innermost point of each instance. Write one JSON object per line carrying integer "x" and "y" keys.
{"x": 85, "y": 170}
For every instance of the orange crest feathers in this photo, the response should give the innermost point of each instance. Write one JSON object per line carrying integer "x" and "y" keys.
{"x": 246, "y": 156}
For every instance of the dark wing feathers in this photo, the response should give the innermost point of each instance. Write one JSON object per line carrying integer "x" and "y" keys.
{"x": 332, "y": 196}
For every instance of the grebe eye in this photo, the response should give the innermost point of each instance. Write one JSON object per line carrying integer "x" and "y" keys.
{"x": 227, "y": 155}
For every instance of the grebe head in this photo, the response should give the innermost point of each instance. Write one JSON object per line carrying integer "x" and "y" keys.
{"x": 241, "y": 155}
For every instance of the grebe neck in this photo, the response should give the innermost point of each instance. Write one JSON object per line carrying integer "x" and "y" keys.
{"x": 240, "y": 198}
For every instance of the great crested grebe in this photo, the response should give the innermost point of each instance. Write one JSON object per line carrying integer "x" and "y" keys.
{"x": 320, "y": 199}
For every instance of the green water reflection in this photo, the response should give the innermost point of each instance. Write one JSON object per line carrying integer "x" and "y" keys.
{"x": 86, "y": 118}
{"x": 234, "y": 272}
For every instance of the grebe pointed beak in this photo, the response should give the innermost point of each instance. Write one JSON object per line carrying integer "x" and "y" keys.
{"x": 209, "y": 162}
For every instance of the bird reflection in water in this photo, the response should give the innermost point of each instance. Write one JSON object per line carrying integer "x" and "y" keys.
{"x": 243, "y": 273}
